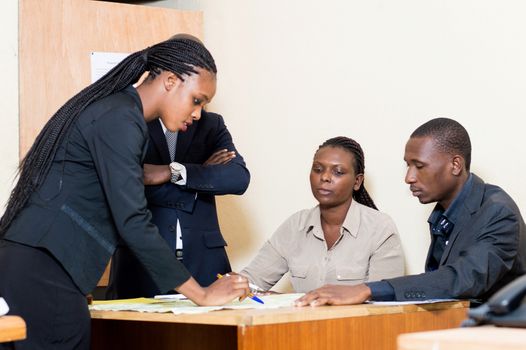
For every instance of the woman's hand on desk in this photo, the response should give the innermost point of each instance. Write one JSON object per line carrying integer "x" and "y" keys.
{"x": 220, "y": 292}
{"x": 335, "y": 295}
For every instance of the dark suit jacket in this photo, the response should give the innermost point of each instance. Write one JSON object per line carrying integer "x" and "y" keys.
{"x": 93, "y": 197}
{"x": 194, "y": 205}
{"x": 486, "y": 250}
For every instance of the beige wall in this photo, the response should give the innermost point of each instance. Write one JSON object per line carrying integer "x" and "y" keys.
{"x": 294, "y": 73}
{"x": 9, "y": 98}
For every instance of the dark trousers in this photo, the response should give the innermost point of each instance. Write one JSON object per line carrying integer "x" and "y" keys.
{"x": 37, "y": 288}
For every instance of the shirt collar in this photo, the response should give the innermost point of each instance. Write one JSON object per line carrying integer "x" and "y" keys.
{"x": 452, "y": 212}
{"x": 312, "y": 221}
{"x": 162, "y": 126}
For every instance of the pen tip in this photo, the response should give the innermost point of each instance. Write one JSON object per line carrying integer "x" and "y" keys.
{"x": 255, "y": 298}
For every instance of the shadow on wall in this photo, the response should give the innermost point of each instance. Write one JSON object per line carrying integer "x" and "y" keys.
{"x": 243, "y": 242}
{"x": 235, "y": 222}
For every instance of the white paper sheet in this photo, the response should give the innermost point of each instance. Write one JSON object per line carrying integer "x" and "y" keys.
{"x": 4, "y": 309}
{"x": 188, "y": 307}
{"x": 102, "y": 62}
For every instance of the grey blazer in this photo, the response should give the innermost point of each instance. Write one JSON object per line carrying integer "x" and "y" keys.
{"x": 486, "y": 250}
{"x": 93, "y": 197}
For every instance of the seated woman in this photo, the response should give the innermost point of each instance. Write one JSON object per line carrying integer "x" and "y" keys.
{"x": 343, "y": 240}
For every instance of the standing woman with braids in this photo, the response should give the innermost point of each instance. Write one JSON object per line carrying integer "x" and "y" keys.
{"x": 81, "y": 191}
{"x": 343, "y": 240}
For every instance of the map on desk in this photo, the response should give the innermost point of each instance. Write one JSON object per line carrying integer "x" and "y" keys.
{"x": 178, "y": 306}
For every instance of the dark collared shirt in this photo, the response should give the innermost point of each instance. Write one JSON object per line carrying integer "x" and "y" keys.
{"x": 441, "y": 224}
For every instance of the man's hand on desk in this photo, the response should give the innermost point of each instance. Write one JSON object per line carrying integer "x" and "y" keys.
{"x": 335, "y": 295}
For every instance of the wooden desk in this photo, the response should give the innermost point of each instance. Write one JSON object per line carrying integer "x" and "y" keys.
{"x": 479, "y": 338}
{"x": 12, "y": 328}
{"x": 328, "y": 327}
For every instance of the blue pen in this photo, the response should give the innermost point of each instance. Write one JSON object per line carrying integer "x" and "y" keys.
{"x": 250, "y": 295}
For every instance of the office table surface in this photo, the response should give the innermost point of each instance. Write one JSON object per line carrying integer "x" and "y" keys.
{"x": 12, "y": 328}
{"x": 479, "y": 338}
{"x": 308, "y": 328}
{"x": 253, "y": 317}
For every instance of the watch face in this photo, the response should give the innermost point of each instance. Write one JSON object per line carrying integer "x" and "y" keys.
{"x": 176, "y": 167}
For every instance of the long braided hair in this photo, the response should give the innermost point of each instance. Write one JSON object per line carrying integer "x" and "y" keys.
{"x": 353, "y": 147}
{"x": 180, "y": 56}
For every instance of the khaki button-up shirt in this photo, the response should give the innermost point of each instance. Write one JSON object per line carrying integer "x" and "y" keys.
{"x": 368, "y": 249}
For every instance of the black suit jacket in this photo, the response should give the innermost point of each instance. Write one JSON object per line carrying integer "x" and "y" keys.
{"x": 93, "y": 197}
{"x": 193, "y": 204}
{"x": 486, "y": 250}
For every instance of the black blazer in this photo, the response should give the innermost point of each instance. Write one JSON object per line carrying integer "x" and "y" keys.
{"x": 93, "y": 197}
{"x": 194, "y": 204}
{"x": 486, "y": 250}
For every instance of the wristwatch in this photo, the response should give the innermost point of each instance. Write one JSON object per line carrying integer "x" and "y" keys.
{"x": 176, "y": 169}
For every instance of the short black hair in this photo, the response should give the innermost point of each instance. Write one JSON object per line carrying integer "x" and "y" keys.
{"x": 449, "y": 136}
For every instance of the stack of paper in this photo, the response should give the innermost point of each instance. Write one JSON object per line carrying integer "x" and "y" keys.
{"x": 178, "y": 306}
